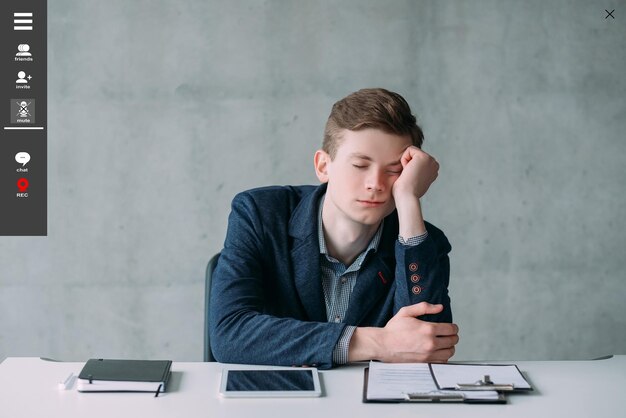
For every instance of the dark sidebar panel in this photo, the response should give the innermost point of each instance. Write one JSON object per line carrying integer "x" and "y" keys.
{"x": 23, "y": 118}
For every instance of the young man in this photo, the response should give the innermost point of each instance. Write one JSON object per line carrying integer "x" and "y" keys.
{"x": 345, "y": 271}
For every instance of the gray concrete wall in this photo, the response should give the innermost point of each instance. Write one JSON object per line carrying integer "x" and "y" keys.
{"x": 160, "y": 111}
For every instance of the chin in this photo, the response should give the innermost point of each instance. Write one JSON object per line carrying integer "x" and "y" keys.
{"x": 368, "y": 219}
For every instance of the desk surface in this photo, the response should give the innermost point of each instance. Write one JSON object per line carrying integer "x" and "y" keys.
{"x": 28, "y": 388}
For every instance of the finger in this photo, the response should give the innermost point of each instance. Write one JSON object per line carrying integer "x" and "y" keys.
{"x": 410, "y": 153}
{"x": 443, "y": 329}
{"x": 442, "y": 343}
{"x": 442, "y": 356}
{"x": 420, "y": 309}
{"x": 406, "y": 157}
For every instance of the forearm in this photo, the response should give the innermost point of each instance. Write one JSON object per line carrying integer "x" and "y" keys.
{"x": 411, "y": 221}
{"x": 252, "y": 338}
{"x": 423, "y": 273}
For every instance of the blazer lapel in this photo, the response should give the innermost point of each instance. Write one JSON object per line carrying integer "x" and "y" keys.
{"x": 373, "y": 282}
{"x": 376, "y": 278}
{"x": 305, "y": 256}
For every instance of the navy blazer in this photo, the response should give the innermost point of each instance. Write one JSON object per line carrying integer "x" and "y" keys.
{"x": 267, "y": 302}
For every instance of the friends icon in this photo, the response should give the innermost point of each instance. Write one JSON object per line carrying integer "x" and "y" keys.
{"x": 23, "y": 53}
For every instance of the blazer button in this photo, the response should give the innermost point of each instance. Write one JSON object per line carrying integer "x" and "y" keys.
{"x": 416, "y": 290}
{"x": 413, "y": 266}
{"x": 415, "y": 278}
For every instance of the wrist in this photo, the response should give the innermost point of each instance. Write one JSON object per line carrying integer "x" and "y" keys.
{"x": 365, "y": 344}
{"x": 410, "y": 219}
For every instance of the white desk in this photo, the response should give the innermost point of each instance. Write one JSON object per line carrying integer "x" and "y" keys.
{"x": 28, "y": 388}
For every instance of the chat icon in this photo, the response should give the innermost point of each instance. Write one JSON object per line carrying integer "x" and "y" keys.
{"x": 22, "y": 158}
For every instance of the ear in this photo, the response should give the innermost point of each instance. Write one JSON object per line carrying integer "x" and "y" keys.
{"x": 321, "y": 161}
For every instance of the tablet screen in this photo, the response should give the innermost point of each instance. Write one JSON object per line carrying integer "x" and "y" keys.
{"x": 269, "y": 380}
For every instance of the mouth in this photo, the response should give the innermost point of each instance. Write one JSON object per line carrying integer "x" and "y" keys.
{"x": 370, "y": 203}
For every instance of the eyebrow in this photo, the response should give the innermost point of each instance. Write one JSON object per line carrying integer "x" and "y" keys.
{"x": 367, "y": 158}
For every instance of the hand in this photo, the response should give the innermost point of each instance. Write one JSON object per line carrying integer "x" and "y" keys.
{"x": 408, "y": 339}
{"x": 419, "y": 171}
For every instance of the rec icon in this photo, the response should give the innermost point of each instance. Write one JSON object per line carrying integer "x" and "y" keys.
{"x": 22, "y": 186}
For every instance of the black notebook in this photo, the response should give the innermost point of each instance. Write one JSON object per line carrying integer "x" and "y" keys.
{"x": 104, "y": 375}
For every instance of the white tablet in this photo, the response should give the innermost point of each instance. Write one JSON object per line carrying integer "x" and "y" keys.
{"x": 269, "y": 382}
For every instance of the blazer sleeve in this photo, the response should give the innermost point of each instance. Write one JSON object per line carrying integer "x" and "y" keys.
{"x": 241, "y": 331}
{"x": 423, "y": 274}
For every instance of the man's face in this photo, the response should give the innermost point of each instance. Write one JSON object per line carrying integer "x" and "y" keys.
{"x": 361, "y": 176}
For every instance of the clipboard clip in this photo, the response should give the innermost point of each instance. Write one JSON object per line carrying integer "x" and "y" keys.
{"x": 433, "y": 397}
{"x": 486, "y": 384}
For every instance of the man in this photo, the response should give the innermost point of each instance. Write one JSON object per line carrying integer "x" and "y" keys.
{"x": 345, "y": 271}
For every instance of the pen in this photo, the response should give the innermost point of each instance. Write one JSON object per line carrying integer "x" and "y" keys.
{"x": 67, "y": 383}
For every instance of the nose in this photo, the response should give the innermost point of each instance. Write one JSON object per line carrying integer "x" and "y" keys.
{"x": 375, "y": 181}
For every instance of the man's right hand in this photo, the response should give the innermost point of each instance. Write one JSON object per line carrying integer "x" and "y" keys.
{"x": 406, "y": 339}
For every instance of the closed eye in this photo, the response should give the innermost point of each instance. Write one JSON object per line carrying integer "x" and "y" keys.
{"x": 359, "y": 166}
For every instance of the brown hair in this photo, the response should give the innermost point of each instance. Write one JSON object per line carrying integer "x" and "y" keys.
{"x": 371, "y": 108}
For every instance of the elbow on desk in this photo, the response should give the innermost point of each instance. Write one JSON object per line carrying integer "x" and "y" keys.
{"x": 220, "y": 354}
{"x": 227, "y": 344}
{"x": 217, "y": 346}
{"x": 231, "y": 343}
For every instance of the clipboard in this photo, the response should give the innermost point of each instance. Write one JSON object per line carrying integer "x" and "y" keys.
{"x": 435, "y": 397}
